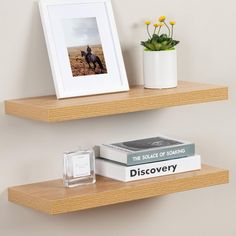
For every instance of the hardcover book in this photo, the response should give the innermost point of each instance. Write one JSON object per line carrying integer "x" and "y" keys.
{"x": 125, "y": 173}
{"x": 146, "y": 150}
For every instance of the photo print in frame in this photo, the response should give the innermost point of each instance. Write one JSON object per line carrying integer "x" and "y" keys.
{"x": 83, "y": 47}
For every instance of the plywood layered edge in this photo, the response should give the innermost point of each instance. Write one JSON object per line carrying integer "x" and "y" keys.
{"x": 52, "y": 198}
{"x": 49, "y": 109}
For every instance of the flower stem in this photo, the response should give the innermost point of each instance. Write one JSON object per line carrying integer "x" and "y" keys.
{"x": 172, "y": 31}
{"x": 159, "y": 31}
{"x": 167, "y": 28}
{"x": 148, "y": 32}
{"x": 154, "y": 31}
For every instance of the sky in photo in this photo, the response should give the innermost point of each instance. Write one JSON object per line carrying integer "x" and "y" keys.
{"x": 81, "y": 32}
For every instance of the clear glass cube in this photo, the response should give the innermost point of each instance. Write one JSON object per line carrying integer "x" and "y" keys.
{"x": 79, "y": 168}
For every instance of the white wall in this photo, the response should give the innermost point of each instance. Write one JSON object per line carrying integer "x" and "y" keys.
{"x": 31, "y": 151}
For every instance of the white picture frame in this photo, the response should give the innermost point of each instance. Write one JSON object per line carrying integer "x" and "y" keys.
{"x": 67, "y": 25}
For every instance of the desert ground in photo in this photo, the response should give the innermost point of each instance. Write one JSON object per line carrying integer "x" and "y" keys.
{"x": 80, "y": 67}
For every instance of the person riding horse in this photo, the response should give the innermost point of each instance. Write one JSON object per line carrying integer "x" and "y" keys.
{"x": 91, "y": 58}
{"x": 89, "y": 50}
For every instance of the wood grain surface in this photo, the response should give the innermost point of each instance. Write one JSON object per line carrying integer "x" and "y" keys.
{"x": 49, "y": 109}
{"x": 52, "y": 198}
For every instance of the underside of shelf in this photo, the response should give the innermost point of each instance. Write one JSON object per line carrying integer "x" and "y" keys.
{"x": 52, "y": 198}
{"x": 49, "y": 109}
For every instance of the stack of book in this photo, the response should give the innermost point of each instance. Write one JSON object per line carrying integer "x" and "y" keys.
{"x": 146, "y": 158}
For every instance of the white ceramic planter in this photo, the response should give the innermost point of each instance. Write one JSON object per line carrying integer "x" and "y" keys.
{"x": 160, "y": 69}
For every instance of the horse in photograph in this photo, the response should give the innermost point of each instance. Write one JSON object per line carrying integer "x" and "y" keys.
{"x": 92, "y": 58}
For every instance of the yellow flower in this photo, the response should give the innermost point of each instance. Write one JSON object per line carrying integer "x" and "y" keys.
{"x": 172, "y": 22}
{"x": 162, "y": 18}
{"x": 161, "y": 24}
{"x": 156, "y": 25}
{"x": 147, "y": 22}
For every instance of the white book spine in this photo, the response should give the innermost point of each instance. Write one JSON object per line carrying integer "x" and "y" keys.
{"x": 144, "y": 171}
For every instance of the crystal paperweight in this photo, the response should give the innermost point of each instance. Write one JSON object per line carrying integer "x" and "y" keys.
{"x": 79, "y": 168}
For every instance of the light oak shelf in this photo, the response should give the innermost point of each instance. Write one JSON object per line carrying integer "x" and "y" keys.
{"x": 49, "y": 109}
{"x": 52, "y": 198}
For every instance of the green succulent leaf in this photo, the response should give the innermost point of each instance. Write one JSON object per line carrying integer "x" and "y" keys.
{"x": 164, "y": 43}
{"x": 174, "y": 43}
{"x": 163, "y": 36}
{"x": 159, "y": 43}
{"x": 157, "y": 46}
{"x": 148, "y": 45}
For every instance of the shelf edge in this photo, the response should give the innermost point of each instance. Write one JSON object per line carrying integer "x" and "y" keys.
{"x": 126, "y": 194}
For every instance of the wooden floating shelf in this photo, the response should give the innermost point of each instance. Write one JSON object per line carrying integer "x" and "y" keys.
{"x": 50, "y": 109}
{"x": 52, "y": 198}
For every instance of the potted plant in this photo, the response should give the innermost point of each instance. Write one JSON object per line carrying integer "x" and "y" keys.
{"x": 160, "y": 57}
